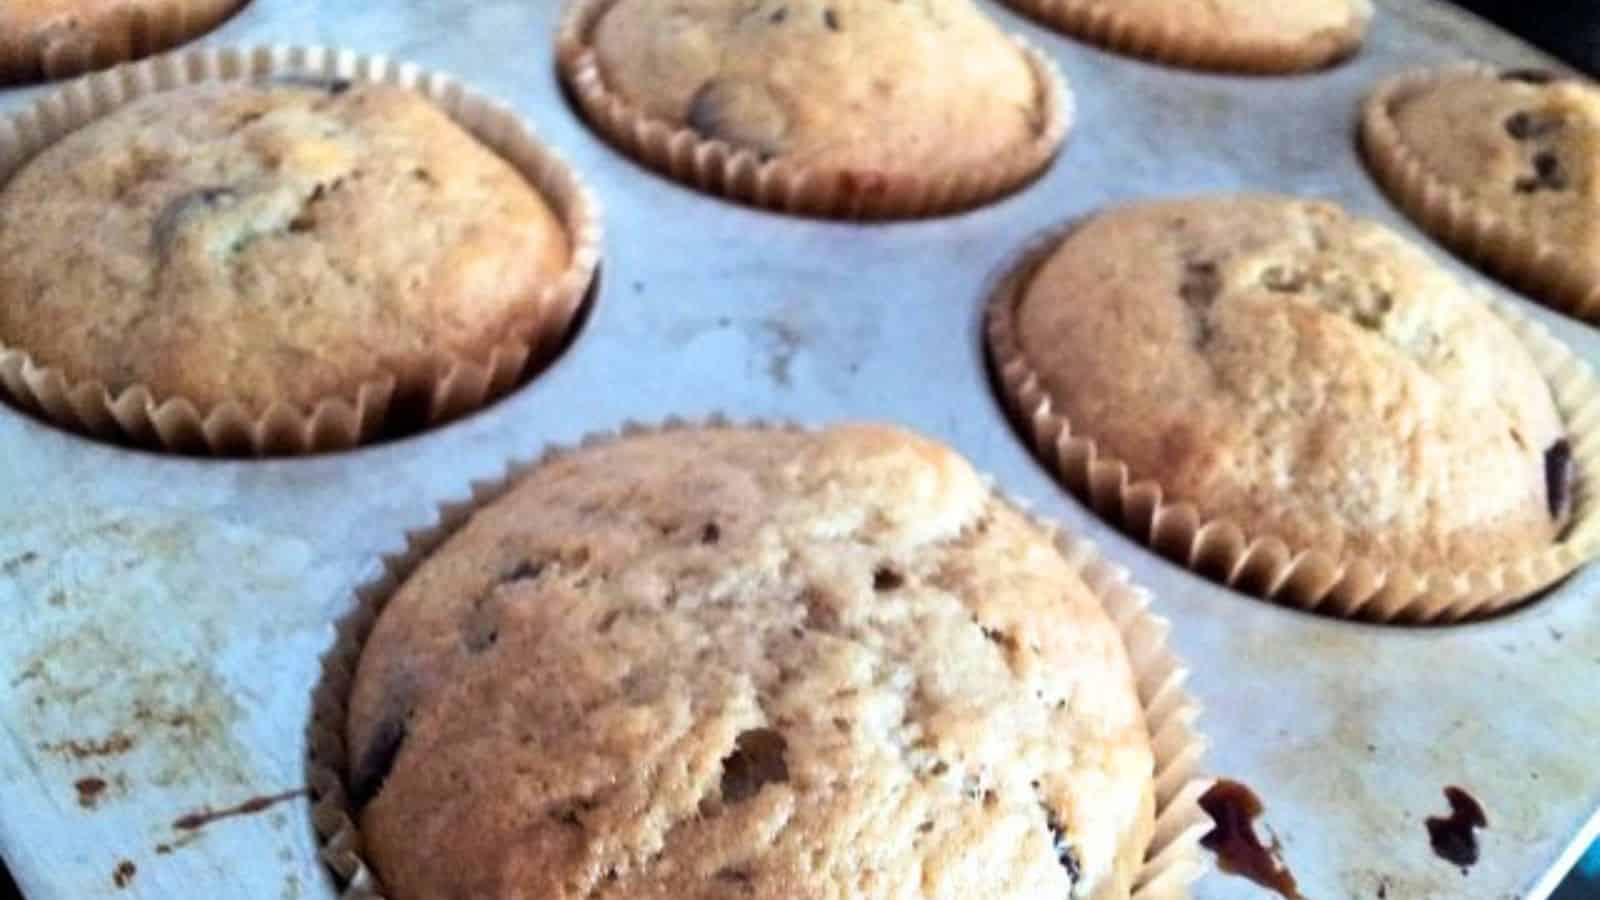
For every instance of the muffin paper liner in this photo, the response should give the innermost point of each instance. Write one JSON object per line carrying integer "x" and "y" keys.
{"x": 1173, "y": 859}
{"x": 1263, "y": 564}
{"x": 129, "y": 30}
{"x": 740, "y": 173}
{"x": 1558, "y": 276}
{"x": 431, "y": 390}
{"x": 1104, "y": 23}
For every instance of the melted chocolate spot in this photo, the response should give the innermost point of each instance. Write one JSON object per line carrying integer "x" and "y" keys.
{"x": 887, "y": 579}
{"x": 1453, "y": 838}
{"x": 1239, "y": 851}
{"x": 710, "y": 534}
{"x": 1530, "y": 76}
{"x": 1558, "y": 472}
{"x": 377, "y": 761}
{"x": 1525, "y": 126}
{"x": 831, "y": 19}
{"x": 756, "y": 761}
{"x": 168, "y": 222}
{"x": 778, "y": 15}
{"x": 522, "y": 571}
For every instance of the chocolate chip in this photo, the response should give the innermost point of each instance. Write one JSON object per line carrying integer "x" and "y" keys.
{"x": 1529, "y": 76}
{"x": 164, "y": 230}
{"x": 334, "y": 86}
{"x": 778, "y": 15}
{"x": 831, "y": 19}
{"x": 377, "y": 761}
{"x": 1202, "y": 281}
{"x": 1558, "y": 471}
{"x": 1281, "y": 280}
{"x": 743, "y": 112}
{"x": 1065, "y": 855}
{"x": 887, "y": 579}
{"x": 1548, "y": 175}
{"x": 522, "y": 571}
{"x": 756, "y": 761}
{"x": 1519, "y": 125}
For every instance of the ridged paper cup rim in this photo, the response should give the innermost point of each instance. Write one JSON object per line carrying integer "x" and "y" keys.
{"x": 1109, "y": 25}
{"x": 1263, "y": 564}
{"x": 1172, "y": 861}
{"x": 1558, "y": 276}
{"x": 451, "y": 386}
{"x": 739, "y": 173}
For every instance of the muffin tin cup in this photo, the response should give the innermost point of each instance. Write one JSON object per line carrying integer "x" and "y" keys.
{"x": 431, "y": 390}
{"x": 1263, "y": 564}
{"x": 1561, "y": 278}
{"x": 742, "y": 174}
{"x": 131, "y": 31}
{"x": 1104, "y": 23}
{"x": 1172, "y": 861}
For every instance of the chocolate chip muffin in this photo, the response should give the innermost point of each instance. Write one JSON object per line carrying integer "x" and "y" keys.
{"x": 1501, "y": 165}
{"x": 272, "y": 244}
{"x": 1298, "y": 373}
{"x": 840, "y": 107}
{"x": 729, "y": 662}
{"x": 57, "y": 38}
{"x": 1230, "y": 35}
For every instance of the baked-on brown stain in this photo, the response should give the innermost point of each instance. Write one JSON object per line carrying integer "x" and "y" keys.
{"x": 124, "y": 873}
{"x": 1452, "y": 837}
{"x": 198, "y": 820}
{"x": 1239, "y": 851}
{"x": 118, "y": 743}
{"x": 89, "y": 791}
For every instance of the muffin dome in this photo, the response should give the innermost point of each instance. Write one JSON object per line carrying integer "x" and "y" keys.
{"x": 1299, "y": 372}
{"x": 269, "y": 243}
{"x": 750, "y": 663}
{"x": 894, "y": 98}
{"x": 1503, "y": 167}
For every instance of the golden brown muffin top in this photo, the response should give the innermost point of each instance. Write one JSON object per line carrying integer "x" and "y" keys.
{"x": 31, "y": 30}
{"x": 719, "y": 663}
{"x": 869, "y": 85}
{"x": 264, "y": 243}
{"x": 1254, "y": 21}
{"x": 1524, "y": 145}
{"x": 1303, "y": 373}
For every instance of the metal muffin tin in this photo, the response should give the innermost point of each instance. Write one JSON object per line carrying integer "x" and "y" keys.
{"x": 164, "y": 617}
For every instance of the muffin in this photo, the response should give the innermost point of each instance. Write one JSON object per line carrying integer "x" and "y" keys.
{"x": 848, "y": 108}
{"x": 269, "y": 246}
{"x": 1249, "y": 36}
{"x": 1500, "y": 165}
{"x": 1296, "y": 400}
{"x": 57, "y": 38}
{"x": 736, "y": 662}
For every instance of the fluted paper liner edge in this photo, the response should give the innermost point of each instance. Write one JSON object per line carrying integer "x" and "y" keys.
{"x": 1173, "y": 859}
{"x": 1106, "y": 25}
{"x": 1559, "y": 277}
{"x": 738, "y": 173}
{"x": 1264, "y": 565}
{"x": 134, "y": 30}
{"x": 453, "y": 385}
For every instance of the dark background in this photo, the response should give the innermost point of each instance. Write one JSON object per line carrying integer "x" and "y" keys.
{"x": 1569, "y": 29}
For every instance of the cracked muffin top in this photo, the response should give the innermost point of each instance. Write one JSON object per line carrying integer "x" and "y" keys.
{"x": 1523, "y": 145}
{"x": 59, "y": 37}
{"x": 1303, "y": 373}
{"x": 864, "y": 85}
{"x": 735, "y": 663}
{"x": 269, "y": 242}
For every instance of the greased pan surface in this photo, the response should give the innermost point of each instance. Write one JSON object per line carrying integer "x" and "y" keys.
{"x": 165, "y": 616}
